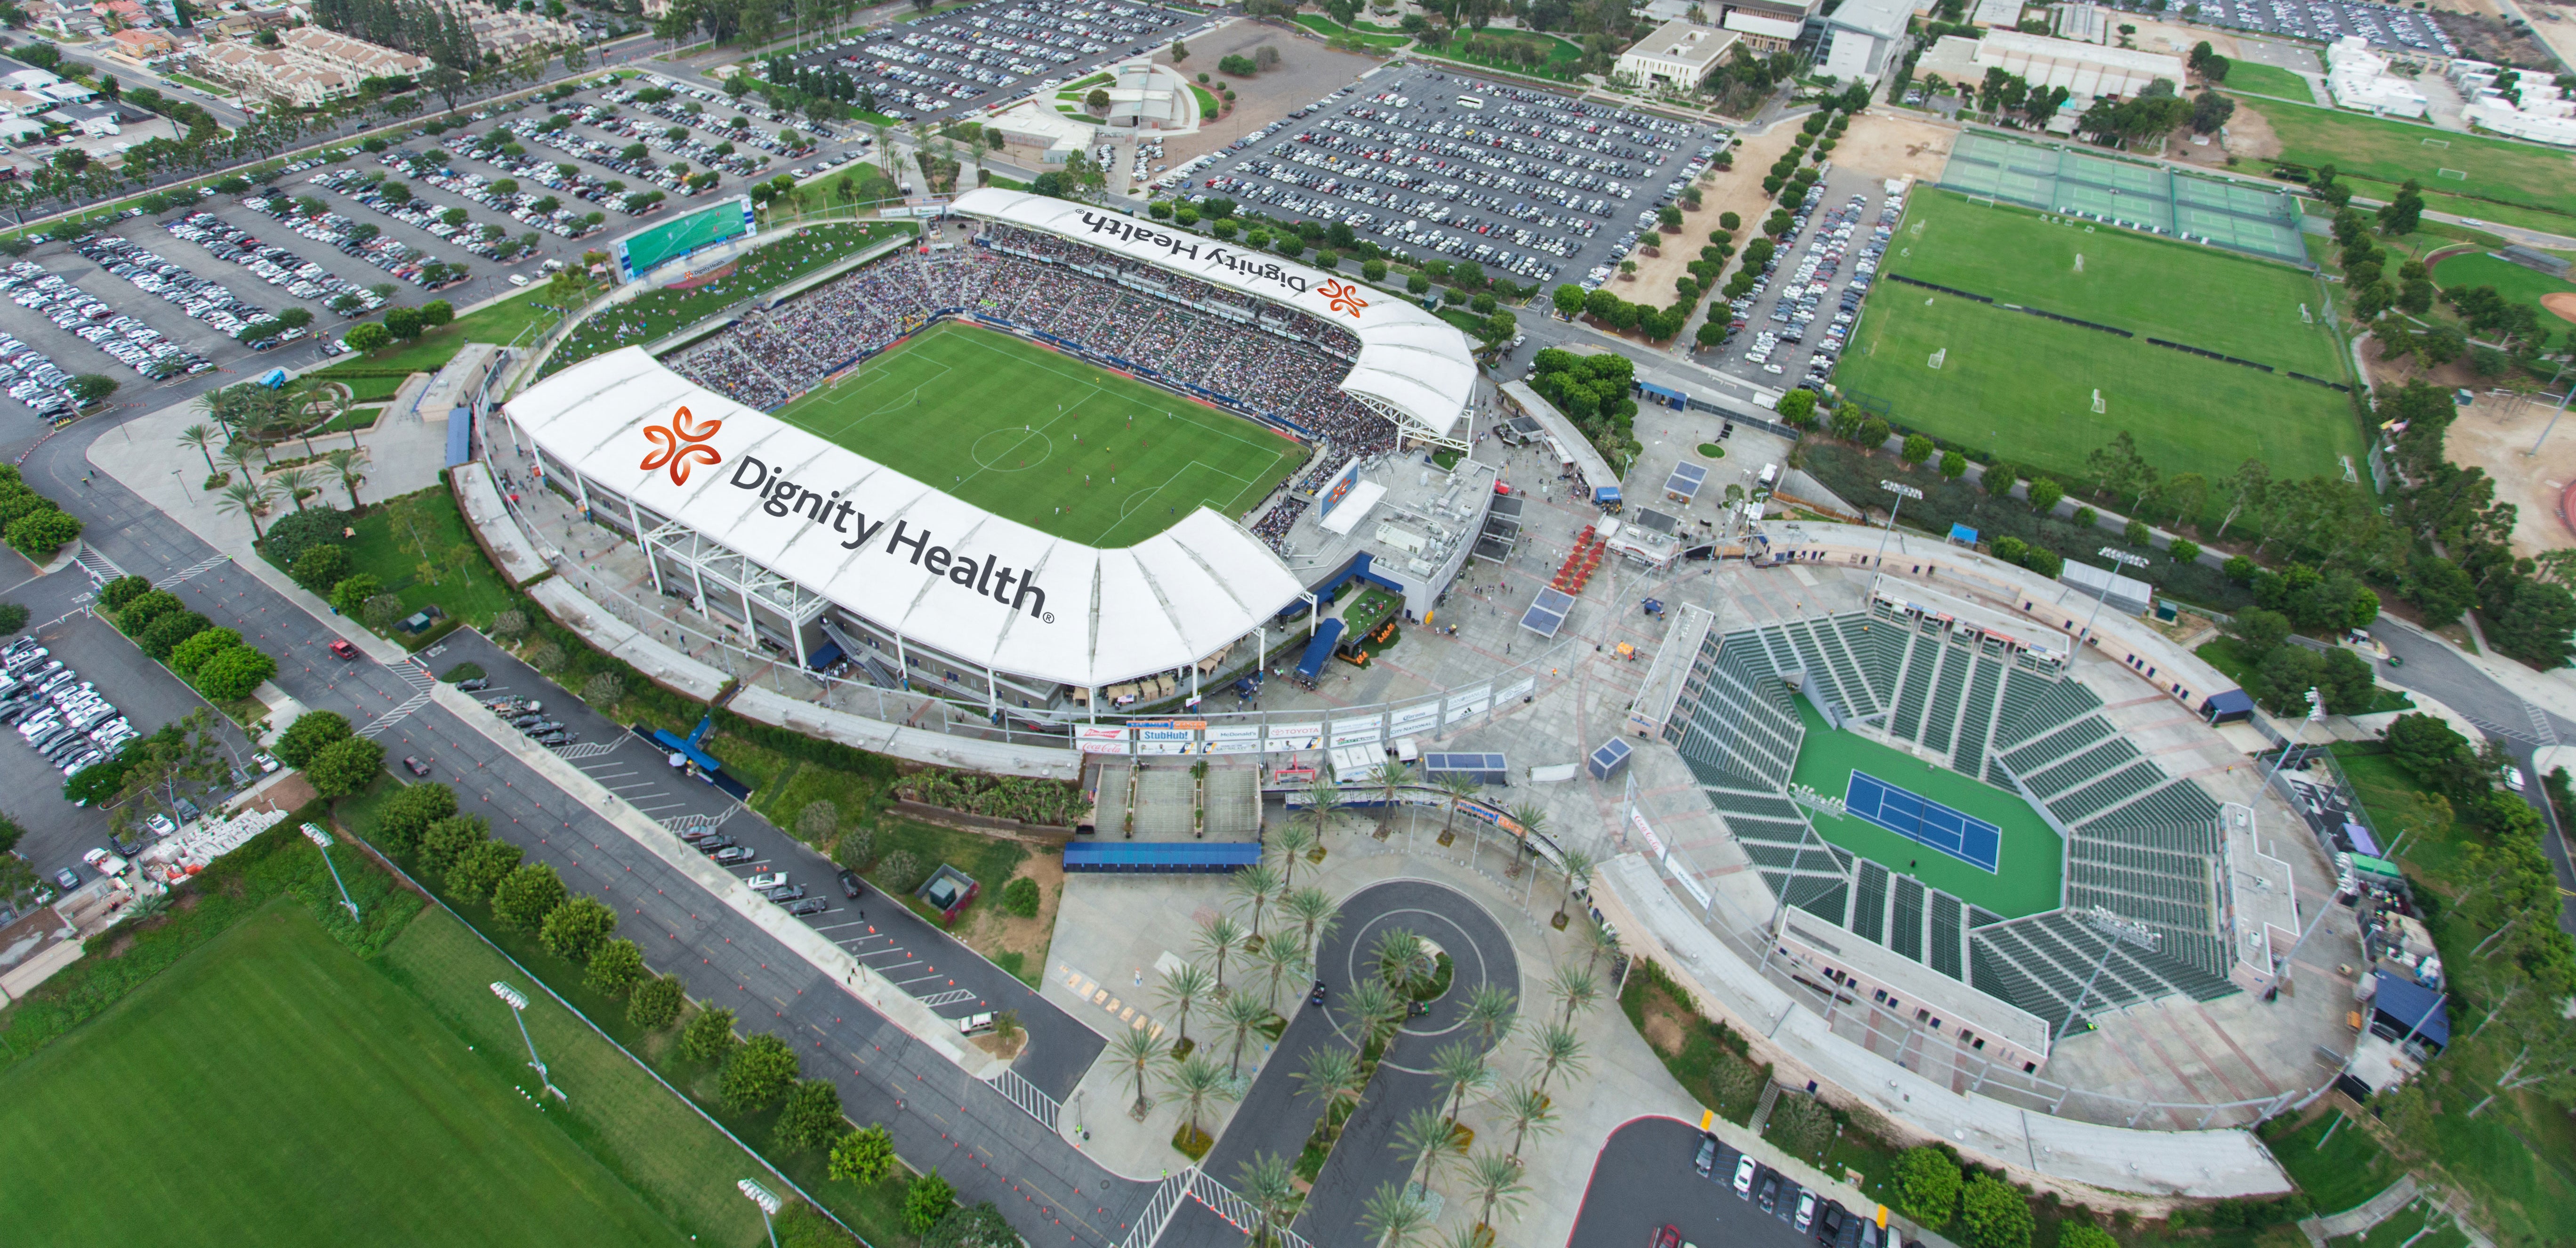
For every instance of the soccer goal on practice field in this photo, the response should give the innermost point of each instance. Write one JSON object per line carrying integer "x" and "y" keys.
{"x": 1937, "y": 357}
{"x": 2099, "y": 407}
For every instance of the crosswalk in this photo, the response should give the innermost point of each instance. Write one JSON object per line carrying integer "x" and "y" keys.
{"x": 101, "y": 569}
{"x": 420, "y": 683}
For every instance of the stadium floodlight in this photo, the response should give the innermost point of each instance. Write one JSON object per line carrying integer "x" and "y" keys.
{"x": 769, "y": 1206}
{"x": 518, "y": 1003}
{"x": 2117, "y": 930}
{"x": 1902, "y": 492}
{"x": 2123, "y": 559}
{"x": 322, "y": 841}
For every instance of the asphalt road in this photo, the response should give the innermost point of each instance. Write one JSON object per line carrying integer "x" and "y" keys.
{"x": 938, "y": 1116}
{"x": 1643, "y": 1181}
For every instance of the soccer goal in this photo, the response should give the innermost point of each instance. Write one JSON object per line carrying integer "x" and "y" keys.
{"x": 2099, "y": 407}
{"x": 1981, "y": 201}
{"x": 2456, "y": 175}
{"x": 2306, "y": 317}
{"x": 2436, "y": 142}
{"x": 1937, "y": 358}
{"x": 2079, "y": 262}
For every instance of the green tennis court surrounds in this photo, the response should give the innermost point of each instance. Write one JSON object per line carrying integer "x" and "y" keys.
{"x": 1056, "y": 443}
{"x": 2241, "y": 217}
{"x": 2029, "y": 865}
{"x": 2045, "y": 393}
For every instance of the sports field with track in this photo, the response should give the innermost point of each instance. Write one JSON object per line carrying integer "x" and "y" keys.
{"x": 2028, "y": 866}
{"x": 2024, "y": 386}
{"x": 1051, "y": 441}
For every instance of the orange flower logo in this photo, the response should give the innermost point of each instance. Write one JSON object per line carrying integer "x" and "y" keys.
{"x": 1343, "y": 296}
{"x": 684, "y": 441}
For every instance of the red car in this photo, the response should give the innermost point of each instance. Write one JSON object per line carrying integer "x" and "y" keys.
{"x": 344, "y": 651}
{"x": 1669, "y": 1237}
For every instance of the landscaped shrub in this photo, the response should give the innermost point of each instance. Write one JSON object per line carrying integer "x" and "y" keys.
{"x": 321, "y": 567}
{"x": 305, "y": 738}
{"x": 1022, "y": 897}
{"x": 139, "y": 613}
{"x": 232, "y": 674}
{"x": 124, "y": 589}
{"x": 408, "y": 814}
{"x": 1001, "y": 797}
{"x": 167, "y": 632}
{"x": 299, "y": 531}
{"x": 186, "y": 657}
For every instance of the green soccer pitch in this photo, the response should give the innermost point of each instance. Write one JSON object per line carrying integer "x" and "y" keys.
{"x": 1046, "y": 439}
{"x": 273, "y": 1089}
{"x": 2028, "y": 870}
{"x": 2023, "y": 386}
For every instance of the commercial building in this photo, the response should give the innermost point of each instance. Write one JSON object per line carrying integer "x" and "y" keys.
{"x": 2526, "y": 105}
{"x": 1861, "y": 37}
{"x": 2358, "y": 78}
{"x": 1679, "y": 54}
{"x": 1770, "y": 26}
{"x": 2086, "y": 70}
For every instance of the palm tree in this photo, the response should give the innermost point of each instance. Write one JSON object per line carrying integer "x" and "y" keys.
{"x": 1420, "y": 1139}
{"x": 1495, "y": 1179}
{"x": 1138, "y": 1048}
{"x": 1577, "y": 987}
{"x": 294, "y": 481}
{"x": 1268, "y": 1184}
{"x": 1578, "y": 874}
{"x": 1391, "y": 775}
{"x": 1396, "y": 1216}
{"x": 1313, "y": 910}
{"x": 1458, "y": 786}
{"x": 239, "y": 453}
{"x": 1293, "y": 842}
{"x": 1489, "y": 1012}
{"x": 1557, "y": 1048}
{"x": 1281, "y": 957}
{"x": 1533, "y": 821}
{"x": 1332, "y": 1075}
{"x": 1221, "y": 936}
{"x": 1404, "y": 959}
{"x": 247, "y": 498}
{"x": 1254, "y": 885}
{"x": 351, "y": 466}
{"x": 1197, "y": 1080}
{"x": 1184, "y": 989}
{"x": 1323, "y": 797}
{"x": 1598, "y": 942}
{"x": 1525, "y": 1109}
{"x": 202, "y": 437}
{"x": 1460, "y": 1067}
{"x": 1243, "y": 1015}
{"x": 1375, "y": 1006}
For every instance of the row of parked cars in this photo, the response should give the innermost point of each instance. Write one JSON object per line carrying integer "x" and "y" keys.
{"x": 1780, "y": 1196}
{"x": 61, "y": 716}
{"x": 96, "y": 321}
{"x": 528, "y": 715}
{"x": 1801, "y": 304}
{"x": 302, "y": 278}
{"x": 398, "y": 259}
{"x": 947, "y": 61}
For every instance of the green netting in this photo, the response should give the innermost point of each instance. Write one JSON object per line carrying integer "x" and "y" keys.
{"x": 2221, "y": 214}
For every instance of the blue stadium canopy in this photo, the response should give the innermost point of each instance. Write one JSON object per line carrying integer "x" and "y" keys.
{"x": 1547, "y": 612}
{"x": 1485, "y": 768}
{"x": 2411, "y": 1006}
{"x": 1162, "y": 857}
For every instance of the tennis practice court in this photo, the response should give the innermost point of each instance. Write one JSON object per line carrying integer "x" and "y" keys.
{"x": 1925, "y": 822}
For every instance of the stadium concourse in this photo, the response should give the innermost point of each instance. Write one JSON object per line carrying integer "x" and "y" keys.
{"x": 815, "y": 548}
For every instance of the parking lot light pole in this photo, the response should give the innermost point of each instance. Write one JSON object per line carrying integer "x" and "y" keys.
{"x": 2123, "y": 559}
{"x": 769, "y": 1206}
{"x": 322, "y": 841}
{"x": 518, "y": 1004}
{"x": 2120, "y": 931}
{"x": 1902, "y": 492}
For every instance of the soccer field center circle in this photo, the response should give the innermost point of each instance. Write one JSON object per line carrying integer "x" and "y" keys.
{"x": 1005, "y": 450}
{"x": 777, "y": 525}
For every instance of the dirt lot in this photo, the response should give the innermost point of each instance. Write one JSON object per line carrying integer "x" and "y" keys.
{"x": 2493, "y": 433}
{"x": 993, "y": 932}
{"x": 1306, "y": 72}
{"x": 1738, "y": 190}
{"x": 2249, "y": 136}
{"x": 1895, "y": 147}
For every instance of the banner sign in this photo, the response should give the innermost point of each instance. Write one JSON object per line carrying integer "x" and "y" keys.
{"x": 1413, "y": 719}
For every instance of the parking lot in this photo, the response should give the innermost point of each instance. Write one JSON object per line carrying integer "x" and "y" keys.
{"x": 969, "y": 59}
{"x": 1791, "y": 328}
{"x": 2325, "y": 21}
{"x": 1649, "y": 1190}
{"x": 1429, "y": 163}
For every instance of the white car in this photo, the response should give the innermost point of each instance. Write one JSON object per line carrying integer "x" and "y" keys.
{"x": 518, "y": 279}
{"x": 766, "y": 880}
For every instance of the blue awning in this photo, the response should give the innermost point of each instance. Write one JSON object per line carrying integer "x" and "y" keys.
{"x": 460, "y": 436}
{"x": 825, "y": 657}
{"x": 1663, "y": 392}
{"x": 1167, "y": 857}
{"x": 2411, "y": 1006}
{"x": 1963, "y": 535}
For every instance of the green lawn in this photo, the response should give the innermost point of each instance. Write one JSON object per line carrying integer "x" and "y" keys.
{"x": 2237, "y": 305}
{"x": 1065, "y": 447}
{"x": 1208, "y": 106}
{"x": 502, "y": 323}
{"x": 1330, "y": 29}
{"x": 273, "y": 1089}
{"x": 2511, "y": 280}
{"x": 2269, "y": 80}
{"x": 2030, "y": 864}
{"x": 1558, "y": 61}
{"x": 656, "y": 314}
{"x": 2346, "y": 1170}
{"x": 2393, "y": 151}
{"x": 417, "y": 546}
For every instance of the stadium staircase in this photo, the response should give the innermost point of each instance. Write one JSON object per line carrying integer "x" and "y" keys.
{"x": 2138, "y": 842}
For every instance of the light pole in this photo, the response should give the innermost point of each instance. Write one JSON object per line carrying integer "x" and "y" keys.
{"x": 2117, "y": 931}
{"x": 2553, "y": 420}
{"x": 2123, "y": 559}
{"x": 769, "y": 1206}
{"x": 518, "y": 1004}
{"x": 1902, "y": 492}
{"x": 322, "y": 841}
{"x": 2316, "y": 711}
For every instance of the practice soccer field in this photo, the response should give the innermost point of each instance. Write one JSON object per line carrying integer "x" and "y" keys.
{"x": 2023, "y": 386}
{"x": 1046, "y": 439}
{"x": 2443, "y": 160}
{"x": 2028, "y": 861}
{"x": 273, "y": 1089}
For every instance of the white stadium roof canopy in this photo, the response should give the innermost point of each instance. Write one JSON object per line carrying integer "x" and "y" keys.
{"x": 1411, "y": 364}
{"x": 1012, "y": 598}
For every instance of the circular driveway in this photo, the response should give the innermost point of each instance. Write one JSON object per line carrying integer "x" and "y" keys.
{"x": 1479, "y": 954}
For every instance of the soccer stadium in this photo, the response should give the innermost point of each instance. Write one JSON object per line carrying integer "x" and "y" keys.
{"x": 1050, "y": 462}
{"x": 1956, "y": 797}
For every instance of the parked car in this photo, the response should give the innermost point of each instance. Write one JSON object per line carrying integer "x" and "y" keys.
{"x": 850, "y": 884}
{"x": 786, "y": 893}
{"x": 343, "y": 650}
{"x": 766, "y": 881}
{"x": 1707, "y": 1155}
{"x": 68, "y": 878}
{"x": 267, "y": 761}
{"x": 1669, "y": 1237}
{"x": 736, "y": 853}
{"x": 712, "y": 844}
{"x": 811, "y": 905}
{"x": 1744, "y": 1176}
{"x": 415, "y": 766}
{"x": 160, "y": 824}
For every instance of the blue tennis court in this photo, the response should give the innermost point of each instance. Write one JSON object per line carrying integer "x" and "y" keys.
{"x": 1923, "y": 821}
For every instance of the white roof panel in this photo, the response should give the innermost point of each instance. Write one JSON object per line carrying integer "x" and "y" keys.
{"x": 1409, "y": 359}
{"x": 1032, "y": 604}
